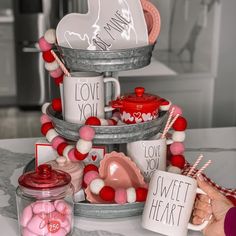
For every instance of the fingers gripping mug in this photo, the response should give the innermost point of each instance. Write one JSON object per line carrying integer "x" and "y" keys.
{"x": 169, "y": 204}
{"x": 84, "y": 95}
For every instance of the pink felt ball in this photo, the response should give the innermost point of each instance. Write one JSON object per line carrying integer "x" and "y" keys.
{"x": 120, "y": 196}
{"x": 87, "y": 133}
{"x": 44, "y": 119}
{"x": 56, "y": 73}
{"x": 71, "y": 155}
{"x": 177, "y": 110}
{"x": 90, "y": 176}
{"x": 44, "y": 45}
{"x": 57, "y": 141}
{"x": 177, "y": 148}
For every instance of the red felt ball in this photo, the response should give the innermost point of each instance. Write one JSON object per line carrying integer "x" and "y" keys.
{"x": 79, "y": 156}
{"x": 178, "y": 161}
{"x": 107, "y": 193}
{"x": 93, "y": 120}
{"x": 45, "y": 127}
{"x": 61, "y": 148}
{"x": 180, "y": 124}
{"x": 58, "y": 80}
{"x": 48, "y": 57}
{"x": 56, "y": 104}
{"x": 141, "y": 194}
{"x": 113, "y": 122}
{"x": 84, "y": 185}
{"x": 90, "y": 167}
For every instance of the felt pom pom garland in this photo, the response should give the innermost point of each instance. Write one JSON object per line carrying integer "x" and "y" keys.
{"x": 179, "y": 125}
{"x": 74, "y": 153}
{"x": 108, "y": 193}
{"x": 52, "y": 62}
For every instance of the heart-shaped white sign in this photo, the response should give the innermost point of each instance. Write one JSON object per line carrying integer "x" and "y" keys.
{"x": 108, "y": 25}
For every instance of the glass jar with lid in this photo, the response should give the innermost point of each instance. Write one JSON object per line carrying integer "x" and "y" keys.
{"x": 45, "y": 202}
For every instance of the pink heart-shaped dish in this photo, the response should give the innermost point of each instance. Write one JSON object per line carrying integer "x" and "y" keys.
{"x": 117, "y": 171}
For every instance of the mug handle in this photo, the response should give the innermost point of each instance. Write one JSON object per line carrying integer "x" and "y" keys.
{"x": 204, "y": 224}
{"x": 117, "y": 91}
{"x": 153, "y": 20}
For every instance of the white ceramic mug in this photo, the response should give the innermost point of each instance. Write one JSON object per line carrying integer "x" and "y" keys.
{"x": 149, "y": 156}
{"x": 84, "y": 96}
{"x": 169, "y": 204}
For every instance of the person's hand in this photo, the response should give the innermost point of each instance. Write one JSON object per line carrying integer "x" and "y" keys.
{"x": 212, "y": 207}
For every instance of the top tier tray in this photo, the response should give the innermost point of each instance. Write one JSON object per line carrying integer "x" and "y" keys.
{"x": 109, "y": 134}
{"x": 106, "y": 61}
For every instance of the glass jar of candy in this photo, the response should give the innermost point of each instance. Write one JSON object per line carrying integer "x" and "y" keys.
{"x": 45, "y": 202}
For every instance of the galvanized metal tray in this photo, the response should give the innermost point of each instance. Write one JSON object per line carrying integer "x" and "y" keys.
{"x": 106, "y": 61}
{"x": 109, "y": 134}
{"x": 100, "y": 211}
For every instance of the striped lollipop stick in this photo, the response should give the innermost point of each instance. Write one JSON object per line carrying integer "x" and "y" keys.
{"x": 195, "y": 165}
{"x": 167, "y": 123}
{"x": 202, "y": 169}
{"x": 66, "y": 72}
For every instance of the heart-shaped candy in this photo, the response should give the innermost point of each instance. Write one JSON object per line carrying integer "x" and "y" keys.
{"x": 117, "y": 171}
{"x": 122, "y": 26}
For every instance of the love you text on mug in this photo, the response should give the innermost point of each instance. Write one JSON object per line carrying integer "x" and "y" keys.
{"x": 87, "y": 96}
{"x": 168, "y": 201}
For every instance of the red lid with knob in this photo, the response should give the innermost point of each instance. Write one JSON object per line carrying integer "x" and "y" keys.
{"x": 138, "y": 98}
{"x": 44, "y": 178}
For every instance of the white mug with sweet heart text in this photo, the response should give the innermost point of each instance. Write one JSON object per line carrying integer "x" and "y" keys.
{"x": 84, "y": 96}
{"x": 169, "y": 204}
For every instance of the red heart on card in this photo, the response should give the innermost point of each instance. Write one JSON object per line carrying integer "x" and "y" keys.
{"x": 94, "y": 157}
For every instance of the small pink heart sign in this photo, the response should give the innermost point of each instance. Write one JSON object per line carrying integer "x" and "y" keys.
{"x": 108, "y": 25}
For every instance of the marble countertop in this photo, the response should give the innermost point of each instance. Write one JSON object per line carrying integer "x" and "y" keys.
{"x": 218, "y": 144}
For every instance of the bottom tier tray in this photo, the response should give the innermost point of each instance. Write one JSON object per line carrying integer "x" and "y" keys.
{"x": 109, "y": 134}
{"x": 101, "y": 211}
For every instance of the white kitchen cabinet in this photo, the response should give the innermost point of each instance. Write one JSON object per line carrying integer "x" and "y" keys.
{"x": 7, "y": 61}
{"x": 185, "y": 59}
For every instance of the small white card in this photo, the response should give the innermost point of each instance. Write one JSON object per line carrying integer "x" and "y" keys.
{"x": 44, "y": 152}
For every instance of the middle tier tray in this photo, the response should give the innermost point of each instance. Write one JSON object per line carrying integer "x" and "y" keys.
{"x": 109, "y": 134}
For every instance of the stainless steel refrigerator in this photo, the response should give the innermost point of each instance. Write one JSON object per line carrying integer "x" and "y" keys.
{"x": 32, "y": 19}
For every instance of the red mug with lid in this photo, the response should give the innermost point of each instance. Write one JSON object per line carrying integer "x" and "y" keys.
{"x": 138, "y": 106}
{"x": 45, "y": 202}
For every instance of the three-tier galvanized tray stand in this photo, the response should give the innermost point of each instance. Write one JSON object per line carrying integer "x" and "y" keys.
{"x": 109, "y": 63}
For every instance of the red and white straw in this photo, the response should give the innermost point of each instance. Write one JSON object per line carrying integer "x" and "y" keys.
{"x": 202, "y": 169}
{"x": 167, "y": 123}
{"x": 195, "y": 165}
{"x": 66, "y": 72}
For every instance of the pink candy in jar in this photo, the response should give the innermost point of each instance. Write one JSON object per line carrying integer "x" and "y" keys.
{"x": 45, "y": 202}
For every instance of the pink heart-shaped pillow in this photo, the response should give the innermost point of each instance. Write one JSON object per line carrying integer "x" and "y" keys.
{"x": 117, "y": 171}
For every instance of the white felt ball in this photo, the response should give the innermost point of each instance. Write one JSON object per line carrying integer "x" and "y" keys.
{"x": 169, "y": 141}
{"x": 131, "y": 195}
{"x": 51, "y": 134}
{"x": 50, "y": 36}
{"x": 166, "y": 107}
{"x": 51, "y": 66}
{"x": 178, "y": 136}
{"x": 103, "y": 122}
{"x": 67, "y": 150}
{"x": 96, "y": 185}
{"x": 84, "y": 146}
{"x": 44, "y": 107}
{"x": 174, "y": 169}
